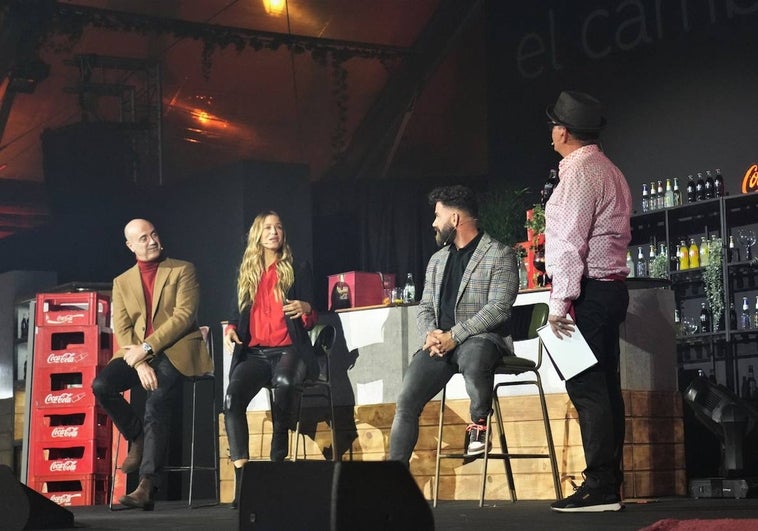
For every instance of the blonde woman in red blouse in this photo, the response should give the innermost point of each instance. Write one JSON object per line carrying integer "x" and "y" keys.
{"x": 268, "y": 337}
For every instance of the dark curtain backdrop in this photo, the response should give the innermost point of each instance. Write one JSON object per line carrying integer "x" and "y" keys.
{"x": 375, "y": 226}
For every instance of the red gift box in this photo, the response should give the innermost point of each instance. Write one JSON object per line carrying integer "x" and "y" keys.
{"x": 356, "y": 289}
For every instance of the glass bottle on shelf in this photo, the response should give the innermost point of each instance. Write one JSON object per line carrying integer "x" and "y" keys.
{"x": 661, "y": 198}
{"x": 550, "y": 184}
{"x": 651, "y": 260}
{"x": 409, "y": 291}
{"x": 704, "y": 252}
{"x": 694, "y": 253}
{"x": 652, "y": 198}
{"x": 700, "y": 187}
{"x": 668, "y": 195}
{"x": 523, "y": 275}
{"x": 705, "y": 319}
{"x": 718, "y": 184}
{"x": 732, "y": 251}
{"x": 677, "y": 193}
{"x": 732, "y": 316}
{"x": 678, "y": 321}
{"x": 25, "y": 327}
{"x": 641, "y": 263}
{"x": 630, "y": 264}
{"x": 691, "y": 189}
{"x": 710, "y": 188}
{"x": 745, "y": 315}
{"x": 684, "y": 256}
{"x": 755, "y": 313}
{"x": 645, "y": 199}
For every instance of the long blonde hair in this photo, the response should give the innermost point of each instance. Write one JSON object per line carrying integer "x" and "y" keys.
{"x": 253, "y": 264}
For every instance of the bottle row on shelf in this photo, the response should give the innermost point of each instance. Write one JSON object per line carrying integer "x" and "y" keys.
{"x": 655, "y": 263}
{"x": 704, "y": 322}
{"x": 656, "y": 197}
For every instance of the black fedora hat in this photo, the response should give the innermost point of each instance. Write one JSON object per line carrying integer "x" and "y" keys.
{"x": 577, "y": 111}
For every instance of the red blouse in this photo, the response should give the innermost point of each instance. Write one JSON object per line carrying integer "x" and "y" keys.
{"x": 268, "y": 327}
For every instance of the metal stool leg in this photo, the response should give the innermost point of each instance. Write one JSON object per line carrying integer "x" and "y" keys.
{"x": 438, "y": 459}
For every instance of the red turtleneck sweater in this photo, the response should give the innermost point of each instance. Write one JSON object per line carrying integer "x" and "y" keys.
{"x": 148, "y": 271}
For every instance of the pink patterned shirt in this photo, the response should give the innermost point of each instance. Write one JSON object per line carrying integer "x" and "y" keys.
{"x": 587, "y": 229}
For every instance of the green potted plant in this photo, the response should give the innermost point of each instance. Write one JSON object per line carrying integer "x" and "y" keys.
{"x": 713, "y": 280}
{"x": 501, "y": 210}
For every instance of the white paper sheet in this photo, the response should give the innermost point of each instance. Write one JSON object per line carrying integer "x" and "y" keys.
{"x": 570, "y": 355}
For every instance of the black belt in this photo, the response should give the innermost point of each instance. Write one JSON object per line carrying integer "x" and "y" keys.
{"x": 268, "y": 352}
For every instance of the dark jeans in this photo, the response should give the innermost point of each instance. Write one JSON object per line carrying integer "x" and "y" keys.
{"x": 596, "y": 393}
{"x": 475, "y": 358}
{"x": 117, "y": 377}
{"x": 256, "y": 370}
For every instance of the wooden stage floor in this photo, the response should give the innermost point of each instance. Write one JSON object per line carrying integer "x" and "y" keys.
{"x": 449, "y": 516}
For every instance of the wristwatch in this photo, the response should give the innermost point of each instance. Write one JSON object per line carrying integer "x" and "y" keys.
{"x": 147, "y": 348}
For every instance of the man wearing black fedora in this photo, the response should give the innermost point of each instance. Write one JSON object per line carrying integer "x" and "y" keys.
{"x": 587, "y": 232}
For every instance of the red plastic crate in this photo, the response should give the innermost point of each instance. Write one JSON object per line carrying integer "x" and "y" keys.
{"x": 74, "y": 490}
{"x": 64, "y": 387}
{"x": 71, "y": 424}
{"x": 65, "y": 309}
{"x": 79, "y": 346}
{"x": 49, "y": 459}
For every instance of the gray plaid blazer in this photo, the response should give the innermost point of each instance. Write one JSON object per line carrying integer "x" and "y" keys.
{"x": 485, "y": 297}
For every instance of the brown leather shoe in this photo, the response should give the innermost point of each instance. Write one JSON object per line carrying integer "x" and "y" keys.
{"x": 141, "y": 497}
{"x": 134, "y": 457}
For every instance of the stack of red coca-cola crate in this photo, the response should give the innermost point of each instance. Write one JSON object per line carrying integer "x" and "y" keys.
{"x": 70, "y": 436}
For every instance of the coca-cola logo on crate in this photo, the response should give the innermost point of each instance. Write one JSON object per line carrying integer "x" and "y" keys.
{"x": 65, "y": 432}
{"x": 64, "y": 499}
{"x": 64, "y": 466}
{"x": 64, "y": 398}
{"x": 65, "y": 357}
{"x": 64, "y": 318}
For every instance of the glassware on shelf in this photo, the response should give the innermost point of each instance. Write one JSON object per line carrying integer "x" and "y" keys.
{"x": 747, "y": 240}
{"x": 691, "y": 325}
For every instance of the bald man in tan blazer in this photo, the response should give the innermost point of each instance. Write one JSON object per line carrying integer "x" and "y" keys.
{"x": 157, "y": 350}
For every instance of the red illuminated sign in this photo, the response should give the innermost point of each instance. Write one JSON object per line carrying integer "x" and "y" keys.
{"x": 750, "y": 181}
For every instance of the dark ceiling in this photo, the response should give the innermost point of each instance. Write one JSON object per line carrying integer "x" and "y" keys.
{"x": 350, "y": 88}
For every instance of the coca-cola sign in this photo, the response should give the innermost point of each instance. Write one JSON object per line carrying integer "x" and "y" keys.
{"x": 65, "y": 432}
{"x": 65, "y": 357}
{"x": 69, "y": 465}
{"x": 64, "y": 398}
{"x": 64, "y": 499}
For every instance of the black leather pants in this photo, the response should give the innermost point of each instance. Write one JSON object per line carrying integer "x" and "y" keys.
{"x": 277, "y": 368}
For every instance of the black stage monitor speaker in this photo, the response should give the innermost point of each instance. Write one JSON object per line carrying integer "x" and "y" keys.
{"x": 329, "y": 496}
{"x": 24, "y": 508}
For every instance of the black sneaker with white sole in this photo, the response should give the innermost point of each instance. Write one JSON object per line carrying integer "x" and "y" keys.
{"x": 589, "y": 500}
{"x": 476, "y": 434}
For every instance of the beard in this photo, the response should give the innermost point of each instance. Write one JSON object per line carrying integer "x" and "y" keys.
{"x": 445, "y": 235}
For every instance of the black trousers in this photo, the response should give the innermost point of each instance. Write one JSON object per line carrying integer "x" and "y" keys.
{"x": 281, "y": 369}
{"x": 118, "y": 377}
{"x": 596, "y": 392}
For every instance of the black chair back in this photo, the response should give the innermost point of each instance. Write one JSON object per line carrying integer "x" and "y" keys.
{"x": 526, "y": 319}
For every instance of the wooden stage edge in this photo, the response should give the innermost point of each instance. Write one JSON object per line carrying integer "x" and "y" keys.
{"x": 654, "y": 460}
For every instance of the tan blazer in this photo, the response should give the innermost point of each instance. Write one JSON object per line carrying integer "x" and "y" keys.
{"x": 175, "y": 301}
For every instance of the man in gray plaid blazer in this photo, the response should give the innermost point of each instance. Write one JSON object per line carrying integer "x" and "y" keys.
{"x": 464, "y": 318}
